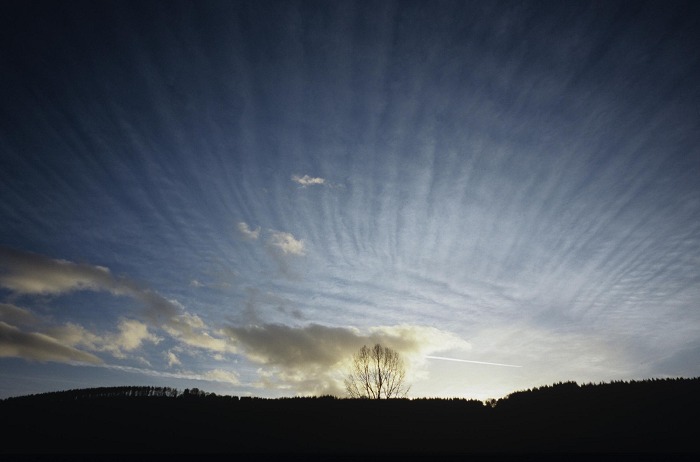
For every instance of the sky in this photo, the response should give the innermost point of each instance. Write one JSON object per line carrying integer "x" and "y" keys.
{"x": 236, "y": 196}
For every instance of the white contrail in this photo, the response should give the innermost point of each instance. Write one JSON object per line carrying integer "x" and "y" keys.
{"x": 473, "y": 362}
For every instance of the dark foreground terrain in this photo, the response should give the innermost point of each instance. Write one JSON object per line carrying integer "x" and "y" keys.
{"x": 648, "y": 417}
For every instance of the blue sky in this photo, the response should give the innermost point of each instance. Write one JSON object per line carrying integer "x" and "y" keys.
{"x": 236, "y": 196}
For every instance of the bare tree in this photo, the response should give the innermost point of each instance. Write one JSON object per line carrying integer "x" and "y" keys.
{"x": 376, "y": 373}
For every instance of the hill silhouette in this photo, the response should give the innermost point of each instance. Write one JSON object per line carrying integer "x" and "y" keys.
{"x": 638, "y": 417}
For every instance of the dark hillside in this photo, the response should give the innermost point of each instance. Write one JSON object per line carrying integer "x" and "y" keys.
{"x": 657, "y": 416}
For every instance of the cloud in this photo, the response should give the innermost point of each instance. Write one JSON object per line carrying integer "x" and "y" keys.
{"x": 70, "y": 340}
{"x": 15, "y": 343}
{"x": 28, "y": 273}
{"x": 307, "y": 180}
{"x": 287, "y": 243}
{"x": 75, "y": 335}
{"x": 132, "y": 334}
{"x": 311, "y": 359}
{"x": 15, "y": 315}
{"x": 191, "y": 330}
{"x": 214, "y": 375}
{"x": 278, "y": 344}
{"x": 248, "y": 233}
{"x": 130, "y": 337}
{"x": 172, "y": 358}
{"x": 220, "y": 375}
{"x": 68, "y": 337}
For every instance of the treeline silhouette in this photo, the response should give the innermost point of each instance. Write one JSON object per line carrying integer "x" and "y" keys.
{"x": 650, "y": 416}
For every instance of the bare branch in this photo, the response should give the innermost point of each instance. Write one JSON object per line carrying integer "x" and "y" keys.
{"x": 376, "y": 373}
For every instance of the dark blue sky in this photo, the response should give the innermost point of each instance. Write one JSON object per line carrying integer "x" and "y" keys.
{"x": 237, "y": 195}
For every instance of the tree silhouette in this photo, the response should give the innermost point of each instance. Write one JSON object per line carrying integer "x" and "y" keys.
{"x": 376, "y": 373}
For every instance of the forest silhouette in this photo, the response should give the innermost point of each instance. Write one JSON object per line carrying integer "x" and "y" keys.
{"x": 650, "y": 416}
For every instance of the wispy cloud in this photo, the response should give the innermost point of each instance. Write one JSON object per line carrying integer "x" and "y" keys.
{"x": 29, "y": 273}
{"x": 17, "y": 316}
{"x": 15, "y": 343}
{"x": 307, "y": 180}
{"x": 214, "y": 375}
{"x": 247, "y": 233}
{"x": 32, "y": 274}
{"x": 221, "y": 375}
{"x": 27, "y": 335}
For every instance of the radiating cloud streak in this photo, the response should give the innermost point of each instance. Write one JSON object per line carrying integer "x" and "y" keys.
{"x": 521, "y": 175}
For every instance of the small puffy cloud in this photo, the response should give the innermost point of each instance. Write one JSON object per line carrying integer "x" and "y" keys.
{"x": 172, "y": 358}
{"x": 307, "y": 180}
{"x": 287, "y": 243}
{"x": 132, "y": 334}
{"x": 130, "y": 337}
{"x": 35, "y": 346}
{"x": 191, "y": 330}
{"x": 311, "y": 359}
{"x": 247, "y": 233}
